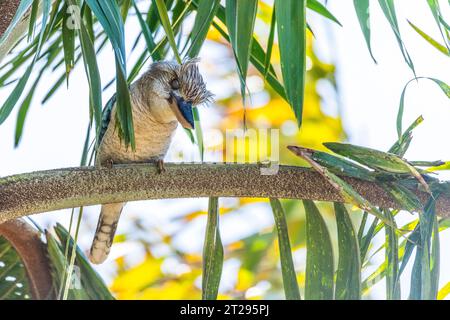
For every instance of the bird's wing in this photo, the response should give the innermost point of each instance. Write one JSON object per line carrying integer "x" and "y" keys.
{"x": 106, "y": 117}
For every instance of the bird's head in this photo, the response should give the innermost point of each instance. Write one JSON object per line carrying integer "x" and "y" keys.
{"x": 182, "y": 86}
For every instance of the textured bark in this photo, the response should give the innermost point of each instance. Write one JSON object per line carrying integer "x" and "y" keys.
{"x": 8, "y": 9}
{"x": 36, "y": 192}
{"x": 33, "y": 252}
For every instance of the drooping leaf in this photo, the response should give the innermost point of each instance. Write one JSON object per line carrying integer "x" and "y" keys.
{"x": 291, "y": 21}
{"x": 444, "y": 87}
{"x": 165, "y": 22}
{"x": 206, "y": 11}
{"x": 147, "y": 35}
{"x": 11, "y": 101}
{"x": 240, "y": 21}
{"x": 287, "y": 264}
{"x": 318, "y": 7}
{"x": 430, "y": 40}
{"x": 363, "y": 13}
{"x": 348, "y": 275}
{"x": 14, "y": 284}
{"x": 388, "y": 8}
{"x": 319, "y": 256}
{"x": 392, "y": 261}
{"x": 212, "y": 253}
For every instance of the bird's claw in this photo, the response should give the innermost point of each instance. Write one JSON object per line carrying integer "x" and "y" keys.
{"x": 109, "y": 163}
{"x": 160, "y": 166}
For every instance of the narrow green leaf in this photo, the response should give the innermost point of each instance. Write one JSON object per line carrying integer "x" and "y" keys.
{"x": 206, "y": 11}
{"x": 33, "y": 15}
{"x": 436, "y": 11}
{"x": 91, "y": 281}
{"x": 68, "y": 39}
{"x": 388, "y": 8}
{"x": 291, "y": 21}
{"x": 11, "y": 101}
{"x": 322, "y": 10}
{"x": 319, "y": 256}
{"x": 363, "y": 12}
{"x": 270, "y": 42}
{"x": 392, "y": 260}
{"x": 23, "y": 112}
{"x": 212, "y": 253}
{"x": 240, "y": 21}
{"x": 147, "y": 35}
{"x": 444, "y": 87}
{"x": 92, "y": 74}
{"x": 348, "y": 275}
{"x": 430, "y": 40}
{"x": 287, "y": 264}
{"x": 164, "y": 18}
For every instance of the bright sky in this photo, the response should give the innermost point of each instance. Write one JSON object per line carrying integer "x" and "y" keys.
{"x": 54, "y": 133}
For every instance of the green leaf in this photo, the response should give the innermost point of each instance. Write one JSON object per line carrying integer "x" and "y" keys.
{"x": 392, "y": 259}
{"x": 365, "y": 240}
{"x": 445, "y": 88}
{"x": 108, "y": 14}
{"x": 68, "y": 39}
{"x": 23, "y": 112}
{"x": 348, "y": 274}
{"x": 11, "y": 101}
{"x": 11, "y": 267}
{"x": 164, "y": 18}
{"x": 363, "y": 12}
{"x": 206, "y": 11}
{"x": 240, "y": 21}
{"x": 436, "y": 11}
{"x": 287, "y": 264}
{"x": 270, "y": 42}
{"x": 92, "y": 74}
{"x": 430, "y": 40}
{"x": 388, "y": 8}
{"x": 33, "y": 15}
{"x": 212, "y": 253}
{"x": 147, "y": 35}
{"x": 291, "y": 21}
{"x": 322, "y": 10}
{"x": 91, "y": 281}
{"x": 423, "y": 280}
{"x": 319, "y": 256}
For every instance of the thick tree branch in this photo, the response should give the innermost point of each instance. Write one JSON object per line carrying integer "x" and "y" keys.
{"x": 43, "y": 191}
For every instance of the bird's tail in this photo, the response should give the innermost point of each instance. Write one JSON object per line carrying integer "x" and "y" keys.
{"x": 104, "y": 235}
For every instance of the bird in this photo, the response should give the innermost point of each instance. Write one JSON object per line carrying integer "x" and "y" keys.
{"x": 160, "y": 99}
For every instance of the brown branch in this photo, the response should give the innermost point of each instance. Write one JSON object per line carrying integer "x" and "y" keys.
{"x": 36, "y": 192}
{"x": 33, "y": 253}
{"x": 8, "y": 9}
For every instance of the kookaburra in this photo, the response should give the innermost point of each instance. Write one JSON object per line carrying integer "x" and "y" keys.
{"x": 163, "y": 96}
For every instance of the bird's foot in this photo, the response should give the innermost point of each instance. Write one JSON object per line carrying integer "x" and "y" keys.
{"x": 160, "y": 166}
{"x": 109, "y": 163}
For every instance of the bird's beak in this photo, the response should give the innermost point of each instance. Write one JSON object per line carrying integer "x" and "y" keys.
{"x": 183, "y": 111}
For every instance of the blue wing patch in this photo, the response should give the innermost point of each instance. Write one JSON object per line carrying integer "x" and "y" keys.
{"x": 106, "y": 117}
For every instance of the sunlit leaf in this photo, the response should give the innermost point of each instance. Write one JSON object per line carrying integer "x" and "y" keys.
{"x": 291, "y": 21}
{"x": 348, "y": 275}
{"x": 319, "y": 256}
{"x": 430, "y": 40}
{"x": 212, "y": 253}
{"x": 363, "y": 12}
{"x": 287, "y": 264}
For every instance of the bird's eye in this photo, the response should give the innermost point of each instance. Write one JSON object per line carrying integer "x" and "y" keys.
{"x": 175, "y": 84}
